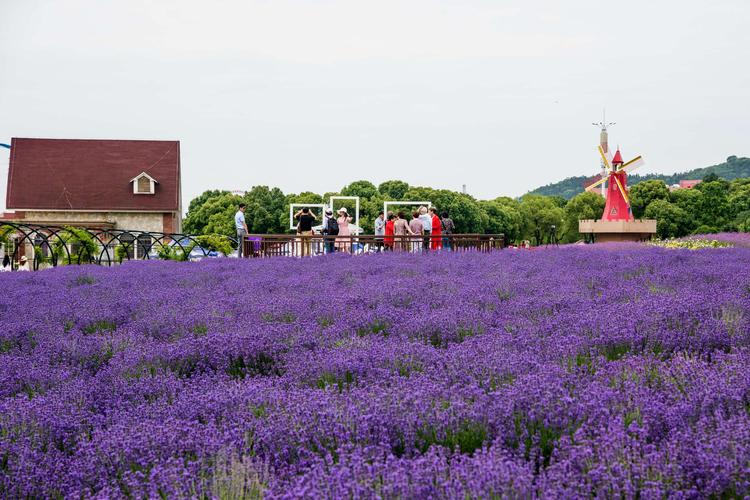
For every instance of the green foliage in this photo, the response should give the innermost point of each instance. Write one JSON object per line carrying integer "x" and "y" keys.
{"x": 715, "y": 210}
{"x": 122, "y": 250}
{"x": 174, "y": 252}
{"x": 40, "y": 257}
{"x": 539, "y": 214}
{"x": 265, "y": 209}
{"x": 363, "y": 189}
{"x": 214, "y": 215}
{"x": 467, "y": 438}
{"x": 393, "y": 190}
{"x": 671, "y": 220}
{"x": 716, "y": 205}
{"x": 733, "y": 168}
{"x": 502, "y": 216}
{"x": 74, "y": 246}
{"x": 641, "y": 196}
{"x": 586, "y": 205}
{"x": 5, "y": 232}
{"x": 215, "y": 243}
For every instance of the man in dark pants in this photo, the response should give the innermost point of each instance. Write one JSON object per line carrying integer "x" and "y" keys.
{"x": 239, "y": 224}
{"x": 330, "y": 229}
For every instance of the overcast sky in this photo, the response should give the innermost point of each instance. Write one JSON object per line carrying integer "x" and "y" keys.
{"x": 311, "y": 95}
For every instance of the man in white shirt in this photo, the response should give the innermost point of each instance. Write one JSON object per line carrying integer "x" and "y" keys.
{"x": 427, "y": 224}
{"x": 379, "y": 231}
{"x": 239, "y": 224}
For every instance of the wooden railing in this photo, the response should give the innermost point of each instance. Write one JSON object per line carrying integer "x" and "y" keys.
{"x": 291, "y": 245}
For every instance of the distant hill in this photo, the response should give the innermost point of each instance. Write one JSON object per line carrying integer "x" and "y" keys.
{"x": 733, "y": 168}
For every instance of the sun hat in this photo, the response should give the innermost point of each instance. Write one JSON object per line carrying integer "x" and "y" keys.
{"x": 329, "y": 211}
{"x": 342, "y": 209}
{"x": 24, "y": 259}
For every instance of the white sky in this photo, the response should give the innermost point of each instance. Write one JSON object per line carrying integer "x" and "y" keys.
{"x": 311, "y": 95}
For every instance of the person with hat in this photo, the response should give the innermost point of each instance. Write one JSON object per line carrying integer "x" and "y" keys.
{"x": 23, "y": 264}
{"x": 343, "y": 242}
{"x": 329, "y": 230}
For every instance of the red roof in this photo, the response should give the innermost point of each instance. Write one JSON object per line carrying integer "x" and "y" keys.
{"x": 688, "y": 184}
{"x": 617, "y": 160}
{"x": 83, "y": 174}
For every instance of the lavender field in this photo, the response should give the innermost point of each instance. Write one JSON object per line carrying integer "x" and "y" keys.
{"x": 578, "y": 371}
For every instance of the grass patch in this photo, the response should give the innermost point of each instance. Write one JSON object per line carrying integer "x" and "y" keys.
{"x": 405, "y": 367}
{"x": 376, "y": 327}
{"x": 287, "y": 317}
{"x": 341, "y": 382}
{"x": 100, "y": 326}
{"x": 469, "y": 437}
{"x": 259, "y": 365}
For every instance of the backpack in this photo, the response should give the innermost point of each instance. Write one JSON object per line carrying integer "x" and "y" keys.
{"x": 333, "y": 227}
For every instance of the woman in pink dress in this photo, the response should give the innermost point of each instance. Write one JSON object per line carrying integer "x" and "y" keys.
{"x": 401, "y": 229}
{"x": 344, "y": 244}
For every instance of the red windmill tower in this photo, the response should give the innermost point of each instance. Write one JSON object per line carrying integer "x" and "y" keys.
{"x": 617, "y": 207}
{"x": 617, "y": 222}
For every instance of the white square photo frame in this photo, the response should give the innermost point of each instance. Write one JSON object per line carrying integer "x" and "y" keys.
{"x": 292, "y": 206}
{"x": 356, "y": 206}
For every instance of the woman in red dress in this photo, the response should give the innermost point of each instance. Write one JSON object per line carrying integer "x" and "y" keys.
{"x": 436, "y": 239}
{"x": 389, "y": 232}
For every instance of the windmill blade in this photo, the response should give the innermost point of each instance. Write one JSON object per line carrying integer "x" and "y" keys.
{"x": 597, "y": 183}
{"x": 606, "y": 160}
{"x": 622, "y": 190}
{"x": 636, "y": 162}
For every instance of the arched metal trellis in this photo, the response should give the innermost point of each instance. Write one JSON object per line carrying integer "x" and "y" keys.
{"x": 57, "y": 245}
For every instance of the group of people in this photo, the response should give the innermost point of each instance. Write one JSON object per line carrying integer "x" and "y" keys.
{"x": 23, "y": 264}
{"x": 332, "y": 226}
{"x": 425, "y": 231}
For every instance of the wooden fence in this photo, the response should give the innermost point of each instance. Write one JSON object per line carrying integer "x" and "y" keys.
{"x": 290, "y": 245}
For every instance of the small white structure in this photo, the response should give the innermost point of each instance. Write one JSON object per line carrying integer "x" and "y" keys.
{"x": 144, "y": 184}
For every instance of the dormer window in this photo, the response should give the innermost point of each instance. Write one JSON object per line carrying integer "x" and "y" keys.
{"x": 143, "y": 184}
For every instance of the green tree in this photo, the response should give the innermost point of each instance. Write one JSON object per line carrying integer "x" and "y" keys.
{"x": 363, "y": 189}
{"x": 501, "y": 218}
{"x": 266, "y": 210}
{"x": 716, "y": 211}
{"x": 671, "y": 220}
{"x": 393, "y": 190}
{"x": 643, "y": 193}
{"x": 203, "y": 198}
{"x": 208, "y": 215}
{"x": 539, "y": 214}
{"x": 558, "y": 200}
{"x": 739, "y": 201}
{"x": 691, "y": 201}
{"x": 586, "y": 205}
{"x": 713, "y": 177}
{"x": 462, "y": 208}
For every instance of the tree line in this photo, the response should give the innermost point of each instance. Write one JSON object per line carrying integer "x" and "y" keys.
{"x": 712, "y": 206}
{"x": 732, "y": 168}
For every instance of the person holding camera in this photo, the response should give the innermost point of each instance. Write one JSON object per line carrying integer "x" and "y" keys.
{"x": 304, "y": 229}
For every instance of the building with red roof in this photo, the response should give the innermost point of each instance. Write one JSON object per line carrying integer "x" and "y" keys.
{"x": 117, "y": 184}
